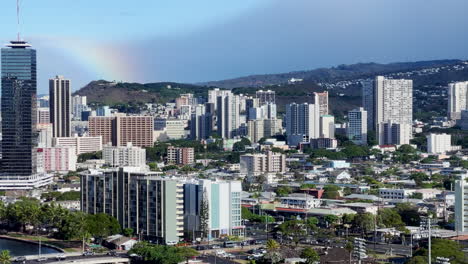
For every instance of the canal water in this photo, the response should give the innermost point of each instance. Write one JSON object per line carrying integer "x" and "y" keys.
{"x": 19, "y": 248}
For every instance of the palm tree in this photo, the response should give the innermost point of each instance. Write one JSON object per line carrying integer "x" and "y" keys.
{"x": 5, "y": 257}
{"x": 272, "y": 245}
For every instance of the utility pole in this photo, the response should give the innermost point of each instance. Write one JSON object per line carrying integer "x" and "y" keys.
{"x": 359, "y": 251}
{"x": 426, "y": 224}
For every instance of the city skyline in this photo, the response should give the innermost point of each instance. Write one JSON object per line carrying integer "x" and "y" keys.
{"x": 233, "y": 35}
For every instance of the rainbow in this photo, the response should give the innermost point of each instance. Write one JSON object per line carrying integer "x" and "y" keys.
{"x": 103, "y": 60}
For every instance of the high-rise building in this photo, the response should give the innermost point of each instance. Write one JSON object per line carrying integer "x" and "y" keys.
{"x": 265, "y": 97}
{"x": 152, "y": 206}
{"x": 223, "y": 199}
{"x": 392, "y": 101}
{"x": 357, "y": 127}
{"x": 266, "y": 111}
{"x": 302, "y": 123}
{"x": 18, "y": 107}
{"x": 120, "y": 130}
{"x": 327, "y": 126}
{"x": 228, "y": 115}
{"x": 461, "y": 204}
{"x": 180, "y": 156}
{"x": 389, "y": 100}
{"x": 79, "y": 104}
{"x": 200, "y": 123}
{"x": 368, "y": 103}
{"x": 60, "y": 106}
{"x": 439, "y": 143}
{"x": 321, "y": 99}
{"x": 255, "y": 130}
{"x": 457, "y": 99}
{"x": 128, "y": 156}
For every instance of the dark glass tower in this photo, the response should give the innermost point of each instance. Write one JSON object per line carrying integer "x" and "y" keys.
{"x": 19, "y": 85}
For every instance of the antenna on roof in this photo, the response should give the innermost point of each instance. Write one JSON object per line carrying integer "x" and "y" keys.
{"x": 18, "y": 17}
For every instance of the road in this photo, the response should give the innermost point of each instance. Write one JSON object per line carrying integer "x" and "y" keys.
{"x": 394, "y": 249}
{"x": 75, "y": 258}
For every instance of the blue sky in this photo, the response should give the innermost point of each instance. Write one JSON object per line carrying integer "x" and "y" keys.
{"x": 192, "y": 41}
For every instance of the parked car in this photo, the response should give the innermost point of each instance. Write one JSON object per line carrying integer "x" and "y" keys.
{"x": 61, "y": 256}
{"x": 20, "y": 259}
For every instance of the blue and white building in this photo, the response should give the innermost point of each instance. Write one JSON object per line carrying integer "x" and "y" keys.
{"x": 224, "y": 203}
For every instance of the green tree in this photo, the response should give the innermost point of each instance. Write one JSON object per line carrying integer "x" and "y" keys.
{"x": 331, "y": 192}
{"x": 128, "y": 232}
{"x": 5, "y": 257}
{"x": 442, "y": 248}
{"x": 310, "y": 255}
{"x": 409, "y": 214}
{"x": 102, "y": 225}
{"x": 283, "y": 191}
{"x": 365, "y": 222}
{"x": 389, "y": 217}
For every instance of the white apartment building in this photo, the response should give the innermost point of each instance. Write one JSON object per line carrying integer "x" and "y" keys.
{"x": 439, "y": 143}
{"x": 299, "y": 201}
{"x": 457, "y": 99}
{"x": 327, "y": 126}
{"x": 256, "y": 164}
{"x": 389, "y": 101}
{"x": 461, "y": 203}
{"x": 81, "y": 144}
{"x": 357, "y": 126}
{"x": 128, "y": 156}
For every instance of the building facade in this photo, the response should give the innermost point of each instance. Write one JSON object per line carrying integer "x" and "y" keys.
{"x": 60, "y": 106}
{"x": 128, "y": 156}
{"x": 58, "y": 159}
{"x": 180, "y": 156}
{"x": 439, "y": 143}
{"x": 223, "y": 200}
{"x": 152, "y": 206}
{"x": 256, "y": 164}
{"x": 81, "y": 144}
{"x": 18, "y": 107}
{"x": 357, "y": 127}
{"x": 457, "y": 99}
{"x": 321, "y": 99}
{"x": 120, "y": 130}
{"x": 302, "y": 122}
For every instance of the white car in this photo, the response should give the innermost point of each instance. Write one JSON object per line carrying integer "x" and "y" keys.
{"x": 171, "y": 243}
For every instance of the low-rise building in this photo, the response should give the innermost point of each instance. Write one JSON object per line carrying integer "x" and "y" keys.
{"x": 128, "y": 156}
{"x": 255, "y": 164}
{"x": 180, "y": 156}
{"x": 81, "y": 144}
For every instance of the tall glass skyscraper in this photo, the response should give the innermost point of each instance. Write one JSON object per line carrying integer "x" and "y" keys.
{"x": 18, "y": 105}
